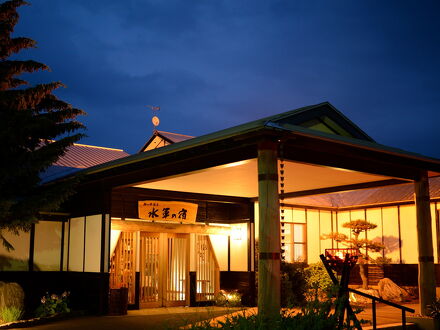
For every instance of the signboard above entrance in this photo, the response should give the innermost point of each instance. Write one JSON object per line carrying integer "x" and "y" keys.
{"x": 167, "y": 211}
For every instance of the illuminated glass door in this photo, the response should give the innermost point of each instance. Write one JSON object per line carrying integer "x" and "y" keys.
{"x": 149, "y": 259}
{"x": 177, "y": 264}
{"x": 164, "y": 269}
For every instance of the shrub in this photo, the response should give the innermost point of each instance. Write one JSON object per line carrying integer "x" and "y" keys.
{"x": 434, "y": 309}
{"x": 315, "y": 315}
{"x": 293, "y": 284}
{"x": 53, "y": 304}
{"x": 11, "y": 314}
{"x": 318, "y": 282}
{"x": 230, "y": 299}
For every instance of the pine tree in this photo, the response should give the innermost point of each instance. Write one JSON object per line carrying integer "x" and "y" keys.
{"x": 359, "y": 244}
{"x": 35, "y": 129}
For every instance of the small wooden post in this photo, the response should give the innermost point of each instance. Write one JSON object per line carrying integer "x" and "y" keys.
{"x": 269, "y": 231}
{"x": 424, "y": 237}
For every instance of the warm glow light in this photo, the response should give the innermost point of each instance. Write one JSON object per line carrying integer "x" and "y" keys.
{"x": 352, "y": 297}
{"x": 242, "y": 162}
{"x": 340, "y": 255}
{"x": 236, "y": 233}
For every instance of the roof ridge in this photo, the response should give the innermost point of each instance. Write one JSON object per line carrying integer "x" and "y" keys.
{"x": 97, "y": 147}
{"x": 175, "y": 133}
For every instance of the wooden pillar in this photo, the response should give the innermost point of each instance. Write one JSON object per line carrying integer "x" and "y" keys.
{"x": 269, "y": 231}
{"x": 424, "y": 237}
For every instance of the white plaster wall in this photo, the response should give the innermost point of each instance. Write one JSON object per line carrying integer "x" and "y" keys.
{"x": 375, "y": 217}
{"x": 76, "y": 247}
{"x": 391, "y": 233}
{"x": 298, "y": 215}
{"x": 66, "y": 246}
{"x": 92, "y": 257}
{"x": 18, "y": 258}
{"x": 343, "y": 217}
{"x": 239, "y": 248}
{"x": 47, "y": 245}
{"x": 313, "y": 241}
{"x": 325, "y": 223}
{"x": 220, "y": 246}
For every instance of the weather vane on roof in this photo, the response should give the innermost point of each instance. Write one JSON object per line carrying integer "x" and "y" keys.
{"x": 155, "y": 119}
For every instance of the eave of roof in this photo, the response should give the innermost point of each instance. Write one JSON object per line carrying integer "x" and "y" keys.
{"x": 265, "y": 126}
{"x": 374, "y": 197}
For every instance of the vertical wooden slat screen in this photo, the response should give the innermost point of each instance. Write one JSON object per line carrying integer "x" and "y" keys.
{"x": 122, "y": 269}
{"x": 177, "y": 269}
{"x": 207, "y": 270}
{"x": 163, "y": 268}
{"x": 149, "y": 288}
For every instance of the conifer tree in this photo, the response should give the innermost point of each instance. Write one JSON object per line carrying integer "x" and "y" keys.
{"x": 35, "y": 129}
{"x": 361, "y": 245}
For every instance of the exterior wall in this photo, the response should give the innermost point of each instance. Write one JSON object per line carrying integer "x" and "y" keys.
{"x": 88, "y": 291}
{"x": 58, "y": 256}
{"x": 391, "y": 233}
{"x": 18, "y": 259}
{"x": 238, "y": 247}
{"x": 89, "y": 243}
{"x": 78, "y": 244}
{"x": 76, "y": 240}
{"x": 47, "y": 245}
{"x": 232, "y": 251}
{"x": 325, "y": 226}
{"x": 396, "y": 229}
{"x": 220, "y": 246}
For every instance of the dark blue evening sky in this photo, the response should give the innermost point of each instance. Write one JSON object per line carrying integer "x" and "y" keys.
{"x": 213, "y": 64}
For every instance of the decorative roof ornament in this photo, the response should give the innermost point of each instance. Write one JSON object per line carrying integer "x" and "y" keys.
{"x": 155, "y": 119}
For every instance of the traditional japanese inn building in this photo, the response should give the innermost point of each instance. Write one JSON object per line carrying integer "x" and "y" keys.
{"x": 188, "y": 216}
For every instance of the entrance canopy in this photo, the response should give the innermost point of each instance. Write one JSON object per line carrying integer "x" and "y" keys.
{"x": 323, "y": 152}
{"x": 239, "y": 179}
{"x": 322, "y": 149}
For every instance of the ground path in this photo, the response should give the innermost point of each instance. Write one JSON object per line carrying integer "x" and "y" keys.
{"x": 175, "y": 317}
{"x": 153, "y": 318}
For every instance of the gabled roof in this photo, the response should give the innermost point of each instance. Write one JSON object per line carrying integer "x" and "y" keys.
{"x": 278, "y": 125}
{"x": 323, "y": 118}
{"x": 162, "y": 138}
{"x": 83, "y": 156}
{"x": 80, "y": 156}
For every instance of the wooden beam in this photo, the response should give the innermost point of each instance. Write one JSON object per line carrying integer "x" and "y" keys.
{"x": 347, "y": 187}
{"x": 269, "y": 232}
{"x": 329, "y": 153}
{"x": 169, "y": 194}
{"x": 342, "y": 188}
{"x": 159, "y": 227}
{"x": 427, "y": 294}
{"x": 165, "y": 165}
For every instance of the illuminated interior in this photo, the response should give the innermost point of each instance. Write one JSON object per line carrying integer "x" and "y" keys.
{"x": 240, "y": 179}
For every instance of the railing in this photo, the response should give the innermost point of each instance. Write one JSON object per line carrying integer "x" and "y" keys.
{"x": 404, "y": 309}
{"x": 343, "y": 289}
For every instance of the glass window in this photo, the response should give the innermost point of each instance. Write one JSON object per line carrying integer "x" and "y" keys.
{"x": 293, "y": 242}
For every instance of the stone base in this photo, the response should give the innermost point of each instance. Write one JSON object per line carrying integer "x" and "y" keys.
{"x": 424, "y": 323}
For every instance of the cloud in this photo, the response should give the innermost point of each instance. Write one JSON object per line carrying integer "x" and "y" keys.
{"x": 214, "y": 64}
